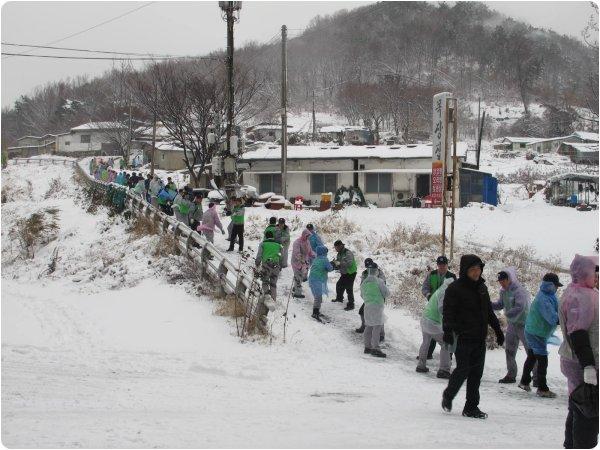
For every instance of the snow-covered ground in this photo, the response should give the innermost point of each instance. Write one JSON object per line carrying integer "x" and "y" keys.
{"x": 111, "y": 351}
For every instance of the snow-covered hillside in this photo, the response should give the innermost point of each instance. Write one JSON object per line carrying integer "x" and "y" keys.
{"x": 114, "y": 350}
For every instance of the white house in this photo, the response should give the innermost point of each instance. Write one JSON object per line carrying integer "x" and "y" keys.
{"x": 384, "y": 173}
{"x": 89, "y": 138}
{"x": 544, "y": 145}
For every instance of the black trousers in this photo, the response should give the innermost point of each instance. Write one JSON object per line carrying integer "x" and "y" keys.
{"x": 542, "y": 369}
{"x": 470, "y": 359}
{"x": 580, "y": 432}
{"x": 237, "y": 230}
{"x": 345, "y": 283}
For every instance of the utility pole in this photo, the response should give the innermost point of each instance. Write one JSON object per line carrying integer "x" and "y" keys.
{"x": 129, "y": 137}
{"x": 153, "y": 145}
{"x": 229, "y": 8}
{"x": 284, "y": 111}
{"x": 314, "y": 120}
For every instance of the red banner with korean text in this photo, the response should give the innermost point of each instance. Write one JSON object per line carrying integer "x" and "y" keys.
{"x": 437, "y": 184}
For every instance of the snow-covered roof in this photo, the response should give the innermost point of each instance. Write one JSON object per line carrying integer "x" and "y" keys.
{"x": 99, "y": 126}
{"x": 586, "y": 136}
{"x": 29, "y": 137}
{"x": 574, "y": 176}
{"x": 341, "y": 128}
{"x": 273, "y": 152}
{"x": 521, "y": 140}
{"x": 168, "y": 146}
{"x": 583, "y": 148}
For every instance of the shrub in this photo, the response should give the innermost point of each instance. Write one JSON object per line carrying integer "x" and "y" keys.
{"x": 38, "y": 229}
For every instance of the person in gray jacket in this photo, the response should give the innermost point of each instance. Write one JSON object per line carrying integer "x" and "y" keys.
{"x": 282, "y": 235}
{"x": 514, "y": 300}
{"x": 196, "y": 212}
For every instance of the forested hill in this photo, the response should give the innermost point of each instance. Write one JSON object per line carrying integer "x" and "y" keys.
{"x": 370, "y": 63}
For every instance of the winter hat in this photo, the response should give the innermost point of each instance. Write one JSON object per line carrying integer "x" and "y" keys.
{"x": 272, "y": 220}
{"x": 552, "y": 278}
{"x": 338, "y": 243}
{"x": 369, "y": 263}
{"x": 281, "y": 220}
{"x": 502, "y": 275}
{"x": 310, "y": 226}
{"x": 441, "y": 260}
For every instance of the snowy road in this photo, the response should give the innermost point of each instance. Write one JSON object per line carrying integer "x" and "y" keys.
{"x": 117, "y": 357}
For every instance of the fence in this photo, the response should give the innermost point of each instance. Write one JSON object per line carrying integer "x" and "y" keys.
{"x": 231, "y": 279}
{"x": 32, "y": 161}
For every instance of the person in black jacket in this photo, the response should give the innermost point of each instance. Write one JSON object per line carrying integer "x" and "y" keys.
{"x": 467, "y": 314}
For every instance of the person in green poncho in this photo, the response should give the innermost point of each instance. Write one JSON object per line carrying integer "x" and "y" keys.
{"x": 373, "y": 291}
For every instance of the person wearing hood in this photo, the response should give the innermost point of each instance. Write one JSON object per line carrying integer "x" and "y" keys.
{"x": 373, "y": 291}
{"x": 514, "y": 299}
{"x": 314, "y": 239}
{"x": 140, "y": 188}
{"x": 181, "y": 206}
{"x": 282, "y": 235}
{"x": 541, "y": 322}
{"x": 210, "y": 219}
{"x": 431, "y": 327}
{"x": 467, "y": 313}
{"x": 578, "y": 316}
{"x": 195, "y": 214}
{"x": 361, "y": 311}
{"x": 317, "y": 279}
{"x": 302, "y": 255}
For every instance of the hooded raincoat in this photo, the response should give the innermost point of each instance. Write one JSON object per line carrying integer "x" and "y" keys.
{"x": 317, "y": 279}
{"x": 373, "y": 291}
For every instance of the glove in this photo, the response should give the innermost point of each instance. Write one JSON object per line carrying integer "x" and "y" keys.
{"x": 590, "y": 375}
{"x": 499, "y": 338}
{"x": 448, "y": 337}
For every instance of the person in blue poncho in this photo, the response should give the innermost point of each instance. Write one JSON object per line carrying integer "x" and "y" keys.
{"x": 541, "y": 322}
{"x": 314, "y": 239}
{"x": 317, "y": 279}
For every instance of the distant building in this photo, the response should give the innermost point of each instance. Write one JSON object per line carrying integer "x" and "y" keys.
{"x": 571, "y": 189}
{"x": 580, "y": 153}
{"x": 347, "y": 135}
{"x": 93, "y": 138}
{"x": 267, "y": 132}
{"x": 544, "y": 145}
{"x": 385, "y": 174}
{"x": 32, "y": 145}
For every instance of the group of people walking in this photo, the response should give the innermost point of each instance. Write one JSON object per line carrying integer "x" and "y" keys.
{"x": 456, "y": 316}
{"x": 459, "y": 311}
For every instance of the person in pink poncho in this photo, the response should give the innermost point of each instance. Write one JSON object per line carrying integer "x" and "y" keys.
{"x": 210, "y": 219}
{"x": 302, "y": 255}
{"x": 578, "y": 317}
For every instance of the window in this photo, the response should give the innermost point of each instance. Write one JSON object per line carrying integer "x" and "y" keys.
{"x": 323, "y": 182}
{"x": 67, "y": 142}
{"x": 85, "y": 138}
{"x": 522, "y": 145}
{"x": 378, "y": 183}
{"x": 269, "y": 183}
{"x": 162, "y": 156}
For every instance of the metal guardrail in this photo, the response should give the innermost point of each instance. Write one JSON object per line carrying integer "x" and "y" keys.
{"x": 73, "y": 162}
{"x": 232, "y": 279}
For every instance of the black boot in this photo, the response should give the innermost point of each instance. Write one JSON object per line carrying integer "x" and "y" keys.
{"x": 315, "y": 314}
{"x": 349, "y": 307}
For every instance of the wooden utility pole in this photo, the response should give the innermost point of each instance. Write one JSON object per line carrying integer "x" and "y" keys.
{"x": 284, "y": 111}
{"x": 449, "y": 182}
{"x": 314, "y": 120}
{"x": 153, "y": 145}
{"x": 129, "y": 137}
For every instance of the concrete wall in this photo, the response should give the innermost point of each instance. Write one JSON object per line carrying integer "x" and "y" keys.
{"x": 169, "y": 160}
{"x": 71, "y": 143}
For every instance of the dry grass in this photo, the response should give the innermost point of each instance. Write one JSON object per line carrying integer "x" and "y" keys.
{"x": 409, "y": 239}
{"x": 55, "y": 188}
{"x": 143, "y": 226}
{"x": 335, "y": 225}
{"x": 38, "y": 229}
{"x": 230, "y": 306}
{"x": 10, "y": 193}
{"x": 166, "y": 245}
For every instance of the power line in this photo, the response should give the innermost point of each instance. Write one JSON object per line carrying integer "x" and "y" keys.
{"x": 92, "y": 27}
{"x": 111, "y": 58}
{"x": 84, "y": 50}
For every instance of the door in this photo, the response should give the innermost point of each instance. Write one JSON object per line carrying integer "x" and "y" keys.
{"x": 423, "y": 182}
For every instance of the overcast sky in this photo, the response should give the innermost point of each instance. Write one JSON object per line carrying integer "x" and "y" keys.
{"x": 183, "y": 28}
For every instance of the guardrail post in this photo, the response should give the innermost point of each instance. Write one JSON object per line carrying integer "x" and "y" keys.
{"x": 222, "y": 274}
{"x": 204, "y": 256}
